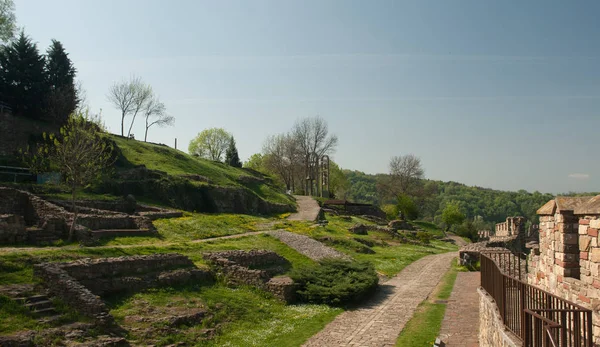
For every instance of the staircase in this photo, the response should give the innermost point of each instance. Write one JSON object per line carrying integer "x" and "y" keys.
{"x": 40, "y": 306}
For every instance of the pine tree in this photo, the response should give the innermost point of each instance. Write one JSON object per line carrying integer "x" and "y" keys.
{"x": 22, "y": 80}
{"x": 61, "y": 100}
{"x": 231, "y": 156}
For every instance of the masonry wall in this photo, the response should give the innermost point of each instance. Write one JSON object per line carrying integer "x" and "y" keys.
{"x": 492, "y": 332}
{"x": 569, "y": 261}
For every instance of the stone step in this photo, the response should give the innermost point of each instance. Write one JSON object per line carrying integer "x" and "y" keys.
{"x": 44, "y": 312}
{"x": 31, "y": 299}
{"x": 50, "y": 319}
{"x": 39, "y": 305}
{"x": 122, "y": 232}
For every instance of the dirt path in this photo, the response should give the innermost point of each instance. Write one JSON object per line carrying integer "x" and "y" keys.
{"x": 381, "y": 319}
{"x": 308, "y": 209}
{"x": 460, "y": 327}
{"x": 311, "y": 248}
{"x": 457, "y": 240}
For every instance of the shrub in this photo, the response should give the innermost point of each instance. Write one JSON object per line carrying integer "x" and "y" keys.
{"x": 335, "y": 281}
{"x": 391, "y": 211}
{"x": 424, "y": 237}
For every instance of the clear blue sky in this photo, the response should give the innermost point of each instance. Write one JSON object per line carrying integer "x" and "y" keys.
{"x": 500, "y": 94}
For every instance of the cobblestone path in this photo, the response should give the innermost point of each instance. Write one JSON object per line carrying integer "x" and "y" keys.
{"x": 311, "y": 248}
{"x": 460, "y": 327}
{"x": 308, "y": 209}
{"x": 380, "y": 320}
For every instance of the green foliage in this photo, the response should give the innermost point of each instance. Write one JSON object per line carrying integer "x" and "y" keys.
{"x": 22, "y": 79}
{"x": 61, "y": 100}
{"x": 338, "y": 182}
{"x": 8, "y": 22}
{"x": 408, "y": 207}
{"x": 231, "y": 155}
{"x": 210, "y": 144}
{"x": 335, "y": 281}
{"x": 424, "y": 237}
{"x": 452, "y": 215}
{"x": 256, "y": 162}
{"x": 391, "y": 211}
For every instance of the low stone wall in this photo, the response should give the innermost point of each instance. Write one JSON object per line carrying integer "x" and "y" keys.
{"x": 491, "y": 328}
{"x": 235, "y": 267}
{"x": 80, "y": 283}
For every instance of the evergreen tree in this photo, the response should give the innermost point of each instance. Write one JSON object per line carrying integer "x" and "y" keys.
{"x": 22, "y": 80}
{"x": 62, "y": 99}
{"x": 231, "y": 155}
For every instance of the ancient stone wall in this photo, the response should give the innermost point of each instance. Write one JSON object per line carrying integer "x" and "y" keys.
{"x": 568, "y": 263}
{"x": 18, "y": 131}
{"x": 511, "y": 227}
{"x": 80, "y": 283}
{"x": 236, "y": 268}
{"x": 492, "y": 332}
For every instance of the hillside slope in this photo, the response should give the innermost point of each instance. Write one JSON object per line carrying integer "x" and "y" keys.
{"x": 164, "y": 175}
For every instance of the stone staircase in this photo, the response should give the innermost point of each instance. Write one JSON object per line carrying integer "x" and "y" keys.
{"x": 40, "y": 306}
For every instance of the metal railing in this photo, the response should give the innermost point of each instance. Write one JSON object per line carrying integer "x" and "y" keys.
{"x": 537, "y": 317}
{"x": 15, "y": 171}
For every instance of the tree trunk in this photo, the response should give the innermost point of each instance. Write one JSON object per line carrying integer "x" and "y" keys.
{"x": 74, "y": 207}
{"x": 122, "y": 123}
{"x": 146, "y": 135}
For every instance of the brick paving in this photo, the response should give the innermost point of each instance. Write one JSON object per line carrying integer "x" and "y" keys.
{"x": 460, "y": 326}
{"x": 380, "y": 320}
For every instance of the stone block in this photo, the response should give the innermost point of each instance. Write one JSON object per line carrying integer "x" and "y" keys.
{"x": 584, "y": 222}
{"x": 595, "y": 223}
{"x": 595, "y": 269}
{"x": 583, "y": 229}
{"x": 583, "y": 255}
{"x": 584, "y": 243}
{"x": 595, "y": 255}
{"x": 592, "y": 232}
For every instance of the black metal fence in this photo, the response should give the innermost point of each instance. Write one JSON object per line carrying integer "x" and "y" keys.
{"x": 537, "y": 317}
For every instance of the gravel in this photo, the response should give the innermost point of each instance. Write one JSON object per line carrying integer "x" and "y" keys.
{"x": 313, "y": 249}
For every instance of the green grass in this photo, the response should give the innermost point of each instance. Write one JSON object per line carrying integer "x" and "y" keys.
{"x": 243, "y": 316}
{"x": 15, "y": 317}
{"x": 428, "y": 227}
{"x": 425, "y": 325}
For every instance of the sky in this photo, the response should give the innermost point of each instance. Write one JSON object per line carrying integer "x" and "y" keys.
{"x": 499, "y": 94}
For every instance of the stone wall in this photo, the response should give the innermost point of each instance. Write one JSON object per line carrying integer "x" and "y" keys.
{"x": 492, "y": 332}
{"x": 236, "y": 267}
{"x": 511, "y": 227}
{"x": 80, "y": 283}
{"x": 18, "y": 131}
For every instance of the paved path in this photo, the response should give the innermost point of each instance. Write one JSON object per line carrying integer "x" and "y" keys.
{"x": 380, "y": 321}
{"x": 308, "y": 209}
{"x": 311, "y": 248}
{"x": 460, "y": 327}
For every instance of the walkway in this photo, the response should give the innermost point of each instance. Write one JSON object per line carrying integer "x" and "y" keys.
{"x": 308, "y": 209}
{"x": 311, "y": 248}
{"x": 380, "y": 321}
{"x": 460, "y": 327}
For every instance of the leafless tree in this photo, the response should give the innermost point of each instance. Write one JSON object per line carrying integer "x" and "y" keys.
{"x": 156, "y": 114}
{"x": 313, "y": 141}
{"x": 130, "y": 98}
{"x": 404, "y": 171}
{"x": 280, "y": 153}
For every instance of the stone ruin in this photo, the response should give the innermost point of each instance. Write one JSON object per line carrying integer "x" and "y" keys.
{"x": 256, "y": 268}
{"x": 82, "y": 283}
{"x": 28, "y": 219}
{"x": 513, "y": 226}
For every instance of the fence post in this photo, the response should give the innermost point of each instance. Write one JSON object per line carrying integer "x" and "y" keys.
{"x": 522, "y": 303}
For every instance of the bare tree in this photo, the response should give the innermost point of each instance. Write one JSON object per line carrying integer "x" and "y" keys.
{"x": 129, "y": 97}
{"x": 156, "y": 114}
{"x": 405, "y": 170}
{"x": 280, "y": 157}
{"x": 313, "y": 141}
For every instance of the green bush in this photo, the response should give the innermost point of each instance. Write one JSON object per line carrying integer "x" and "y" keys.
{"x": 424, "y": 237}
{"x": 335, "y": 281}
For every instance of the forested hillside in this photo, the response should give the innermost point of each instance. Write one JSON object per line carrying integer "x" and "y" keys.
{"x": 491, "y": 205}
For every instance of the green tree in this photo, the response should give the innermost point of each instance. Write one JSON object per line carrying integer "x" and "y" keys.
{"x": 256, "y": 162}
{"x": 22, "y": 79}
{"x": 8, "y": 22}
{"x": 62, "y": 99}
{"x": 210, "y": 144}
{"x": 407, "y": 206}
{"x": 338, "y": 182}
{"x": 231, "y": 155}
{"x": 79, "y": 152}
{"x": 452, "y": 215}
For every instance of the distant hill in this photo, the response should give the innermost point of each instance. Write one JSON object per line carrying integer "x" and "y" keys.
{"x": 493, "y": 205}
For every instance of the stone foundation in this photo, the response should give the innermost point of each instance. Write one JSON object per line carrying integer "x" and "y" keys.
{"x": 81, "y": 283}
{"x": 239, "y": 267}
{"x": 492, "y": 332}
